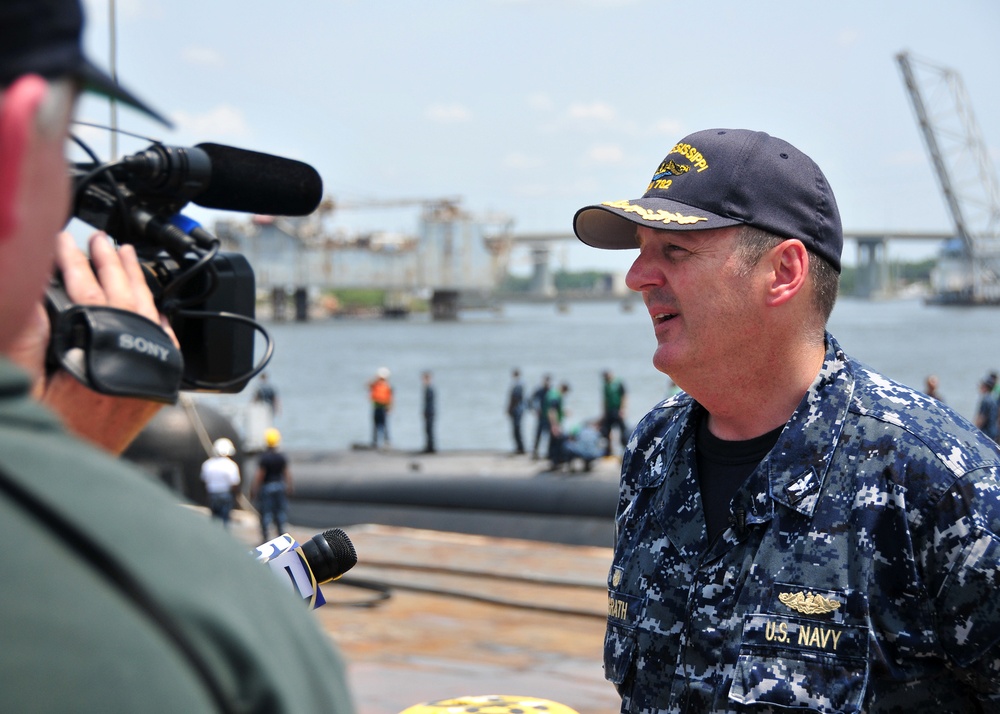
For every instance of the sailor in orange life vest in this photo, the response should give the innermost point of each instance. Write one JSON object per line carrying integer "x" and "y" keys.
{"x": 380, "y": 392}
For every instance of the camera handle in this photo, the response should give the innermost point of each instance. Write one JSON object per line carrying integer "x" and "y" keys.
{"x": 111, "y": 351}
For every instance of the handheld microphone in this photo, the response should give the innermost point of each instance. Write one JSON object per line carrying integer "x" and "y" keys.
{"x": 324, "y": 557}
{"x": 329, "y": 554}
{"x": 224, "y": 177}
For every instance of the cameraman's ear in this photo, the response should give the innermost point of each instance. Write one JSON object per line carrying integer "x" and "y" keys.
{"x": 19, "y": 105}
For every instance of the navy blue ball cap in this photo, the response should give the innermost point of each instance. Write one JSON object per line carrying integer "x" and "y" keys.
{"x": 726, "y": 177}
{"x": 43, "y": 37}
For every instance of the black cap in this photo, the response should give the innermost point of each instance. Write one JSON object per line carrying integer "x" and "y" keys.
{"x": 43, "y": 37}
{"x": 726, "y": 177}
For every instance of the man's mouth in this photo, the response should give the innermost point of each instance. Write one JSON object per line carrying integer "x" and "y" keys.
{"x": 661, "y": 317}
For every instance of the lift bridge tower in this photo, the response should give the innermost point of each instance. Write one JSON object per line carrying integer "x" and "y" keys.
{"x": 968, "y": 272}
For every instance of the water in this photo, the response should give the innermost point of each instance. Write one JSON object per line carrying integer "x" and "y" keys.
{"x": 321, "y": 369}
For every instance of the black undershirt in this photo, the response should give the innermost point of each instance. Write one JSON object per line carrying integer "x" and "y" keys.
{"x": 723, "y": 466}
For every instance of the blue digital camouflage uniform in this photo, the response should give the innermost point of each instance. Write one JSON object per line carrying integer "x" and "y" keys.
{"x": 859, "y": 574}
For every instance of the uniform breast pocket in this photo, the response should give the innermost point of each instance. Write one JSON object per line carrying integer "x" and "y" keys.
{"x": 620, "y": 638}
{"x": 798, "y": 663}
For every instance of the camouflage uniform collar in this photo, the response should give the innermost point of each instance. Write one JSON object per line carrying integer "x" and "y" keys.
{"x": 798, "y": 464}
{"x": 792, "y": 474}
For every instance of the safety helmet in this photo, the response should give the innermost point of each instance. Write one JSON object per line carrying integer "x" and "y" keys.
{"x": 383, "y": 372}
{"x": 223, "y": 447}
{"x": 272, "y": 437}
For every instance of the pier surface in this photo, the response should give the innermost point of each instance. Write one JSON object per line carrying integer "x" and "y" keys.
{"x": 428, "y": 615}
{"x": 469, "y": 580}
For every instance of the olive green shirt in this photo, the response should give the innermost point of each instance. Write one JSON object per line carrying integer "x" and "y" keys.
{"x": 116, "y": 598}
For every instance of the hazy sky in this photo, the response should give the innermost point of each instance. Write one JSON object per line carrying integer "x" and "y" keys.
{"x": 536, "y": 108}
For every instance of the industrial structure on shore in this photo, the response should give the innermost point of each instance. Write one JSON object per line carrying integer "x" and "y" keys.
{"x": 457, "y": 257}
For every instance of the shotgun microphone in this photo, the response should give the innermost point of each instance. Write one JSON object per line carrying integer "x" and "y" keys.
{"x": 224, "y": 177}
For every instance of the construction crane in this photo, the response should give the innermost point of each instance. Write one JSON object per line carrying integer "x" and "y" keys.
{"x": 966, "y": 176}
{"x": 436, "y": 206}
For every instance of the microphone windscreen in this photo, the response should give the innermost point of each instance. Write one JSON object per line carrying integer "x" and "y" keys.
{"x": 342, "y": 547}
{"x": 330, "y": 554}
{"x": 252, "y": 182}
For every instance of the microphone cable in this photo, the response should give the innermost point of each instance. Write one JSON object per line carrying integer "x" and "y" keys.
{"x": 385, "y": 589}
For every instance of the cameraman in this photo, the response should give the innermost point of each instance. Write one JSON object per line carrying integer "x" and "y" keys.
{"x": 114, "y": 598}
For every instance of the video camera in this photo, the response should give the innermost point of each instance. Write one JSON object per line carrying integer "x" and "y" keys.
{"x": 207, "y": 295}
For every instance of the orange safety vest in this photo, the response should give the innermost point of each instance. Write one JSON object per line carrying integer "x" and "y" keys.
{"x": 381, "y": 392}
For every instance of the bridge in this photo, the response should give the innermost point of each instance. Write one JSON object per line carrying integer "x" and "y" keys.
{"x": 969, "y": 274}
{"x": 874, "y": 278}
{"x": 874, "y": 274}
{"x": 456, "y": 254}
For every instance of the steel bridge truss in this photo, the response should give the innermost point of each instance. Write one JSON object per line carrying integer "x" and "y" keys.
{"x": 965, "y": 175}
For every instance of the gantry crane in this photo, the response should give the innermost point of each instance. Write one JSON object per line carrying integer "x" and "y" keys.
{"x": 439, "y": 207}
{"x": 966, "y": 176}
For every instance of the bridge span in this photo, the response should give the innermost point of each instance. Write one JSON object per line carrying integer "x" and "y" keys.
{"x": 874, "y": 276}
{"x": 454, "y": 254}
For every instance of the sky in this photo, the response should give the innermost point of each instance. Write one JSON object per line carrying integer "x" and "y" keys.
{"x": 534, "y": 108}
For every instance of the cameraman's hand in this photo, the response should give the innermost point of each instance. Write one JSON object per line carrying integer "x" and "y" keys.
{"x": 116, "y": 280}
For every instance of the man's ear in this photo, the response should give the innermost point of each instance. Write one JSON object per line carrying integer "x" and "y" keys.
{"x": 789, "y": 263}
{"x": 19, "y": 105}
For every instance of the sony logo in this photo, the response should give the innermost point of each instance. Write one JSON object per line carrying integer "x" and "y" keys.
{"x": 143, "y": 346}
